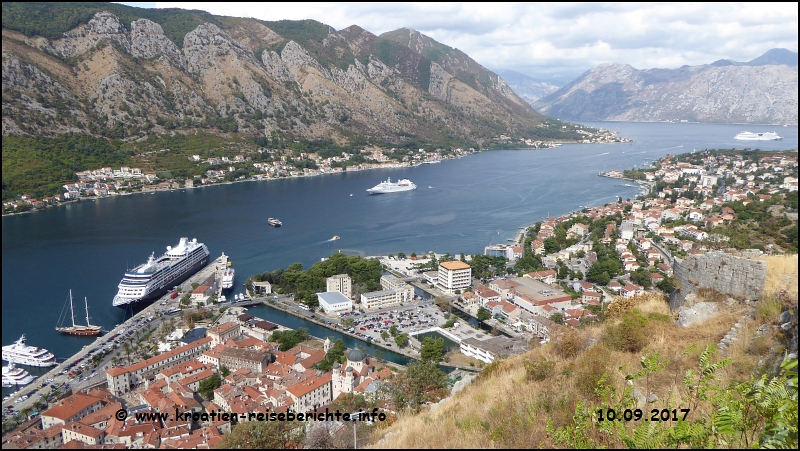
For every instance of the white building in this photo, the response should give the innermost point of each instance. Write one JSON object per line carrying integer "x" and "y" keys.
{"x": 380, "y": 299}
{"x": 499, "y": 250}
{"x": 454, "y": 275}
{"x": 334, "y": 302}
{"x": 341, "y": 283}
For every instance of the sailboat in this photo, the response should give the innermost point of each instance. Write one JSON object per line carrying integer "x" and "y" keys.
{"x": 77, "y": 329}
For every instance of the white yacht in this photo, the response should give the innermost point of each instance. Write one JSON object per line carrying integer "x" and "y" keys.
{"x": 766, "y": 136}
{"x": 23, "y": 354}
{"x": 389, "y": 187}
{"x": 15, "y": 376}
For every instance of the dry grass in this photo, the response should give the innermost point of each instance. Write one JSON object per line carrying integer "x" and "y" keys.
{"x": 781, "y": 274}
{"x": 511, "y": 409}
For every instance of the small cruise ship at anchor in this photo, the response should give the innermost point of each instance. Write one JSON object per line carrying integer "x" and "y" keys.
{"x": 23, "y": 354}
{"x": 389, "y": 187}
{"x": 766, "y": 136}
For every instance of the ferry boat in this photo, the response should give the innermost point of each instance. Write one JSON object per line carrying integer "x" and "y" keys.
{"x": 153, "y": 279}
{"x": 15, "y": 376}
{"x": 78, "y": 329}
{"x": 23, "y": 354}
{"x": 766, "y": 136}
{"x": 274, "y": 222}
{"x": 389, "y": 187}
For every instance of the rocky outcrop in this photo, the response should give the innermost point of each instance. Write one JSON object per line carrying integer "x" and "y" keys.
{"x": 148, "y": 41}
{"x": 104, "y": 26}
{"x": 440, "y": 81}
{"x": 725, "y": 94}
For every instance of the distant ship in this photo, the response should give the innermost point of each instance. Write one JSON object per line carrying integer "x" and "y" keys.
{"x": 78, "y": 329}
{"x": 767, "y": 136}
{"x": 153, "y": 279}
{"x": 15, "y": 376}
{"x": 274, "y": 222}
{"x": 389, "y": 187}
{"x": 23, "y": 354}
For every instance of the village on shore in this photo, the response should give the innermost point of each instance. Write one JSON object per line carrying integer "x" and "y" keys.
{"x": 108, "y": 181}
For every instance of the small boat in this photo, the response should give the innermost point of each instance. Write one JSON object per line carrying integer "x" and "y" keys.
{"x": 335, "y": 237}
{"x": 274, "y": 222}
{"x": 430, "y": 186}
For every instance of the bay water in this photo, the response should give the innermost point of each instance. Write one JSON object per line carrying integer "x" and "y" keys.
{"x": 459, "y": 206}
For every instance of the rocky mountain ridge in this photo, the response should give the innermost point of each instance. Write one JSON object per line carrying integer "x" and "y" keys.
{"x": 270, "y": 80}
{"x": 757, "y": 93}
{"x": 529, "y": 88}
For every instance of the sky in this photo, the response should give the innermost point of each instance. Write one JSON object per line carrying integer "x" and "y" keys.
{"x": 558, "y": 41}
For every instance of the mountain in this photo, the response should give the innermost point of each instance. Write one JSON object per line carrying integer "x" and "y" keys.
{"x": 530, "y": 89}
{"x": 759, "y": 92}
{"x": 116, "y": 71}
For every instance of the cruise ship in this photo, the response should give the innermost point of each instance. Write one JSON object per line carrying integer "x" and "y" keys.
{"x": 23, "y": 354}
{"x": 153, "y": 279}
{"x": 227, "y": 278}
{"x": 767, "y": 136}
{"x": 15, "y": 376}
{"x": 389, "y": 187}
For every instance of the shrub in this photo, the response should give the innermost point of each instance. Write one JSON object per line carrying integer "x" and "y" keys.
{"x": 629, "y": 335}
{"x": 590, "y": 368}
{"x": 539, "y": 369}
{"x": 568, "y": 344}
{"x": 769, "y": 309}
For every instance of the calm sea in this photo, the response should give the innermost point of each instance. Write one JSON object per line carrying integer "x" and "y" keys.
{"x": 459, "y": 206}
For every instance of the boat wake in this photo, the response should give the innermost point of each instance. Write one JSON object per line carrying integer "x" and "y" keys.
{"x": 601, "y": 154}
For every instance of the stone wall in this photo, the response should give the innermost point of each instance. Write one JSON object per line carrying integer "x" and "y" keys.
{"x": 737, "y": 277}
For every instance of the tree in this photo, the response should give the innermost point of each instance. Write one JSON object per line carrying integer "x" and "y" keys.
{"x": 385, "y": 335}
{"x": 393, "y": 330}
{"x": 401, "y": 340}
{"x": 668, "y": 285}
{"x": 224, "y": 371}
{"x": 551, "y": 245}
{"x": 442, "y": 302}
{"x": 422, "y": 382}
{"x": 208, "y": 385}
{"x": 432, "y": 349}
{"x": 483, "y": 314}
{"x": 557, "y": 318}
{"x": 290, "y": 338}
{"x": 401, "y": 256}
{"x": 264, "y": 435}
{"x": 347, "y": 322}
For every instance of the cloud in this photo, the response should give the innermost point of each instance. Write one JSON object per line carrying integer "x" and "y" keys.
{"x": 548, "y": 39}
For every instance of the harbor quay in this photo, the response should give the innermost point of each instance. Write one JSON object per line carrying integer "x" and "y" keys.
{"x": 63, "y": 383}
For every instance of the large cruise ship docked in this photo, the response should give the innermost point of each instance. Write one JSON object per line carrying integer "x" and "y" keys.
{"x": 389, "y": 187}
{"x": 153, "y": 279}
{"x": 766, "y": 136}
{"x": 23, "y": 354}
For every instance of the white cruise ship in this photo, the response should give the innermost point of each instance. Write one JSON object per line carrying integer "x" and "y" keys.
{"x": 15, "y": 376}
{"x": 767, "y": 136}
{"x": 389, "y": 187}
{"x": 23, "y": 354}
{"x": 153, "y": 279}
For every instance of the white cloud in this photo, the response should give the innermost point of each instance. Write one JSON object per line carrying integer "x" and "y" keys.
{"x": 547, "y": 39}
